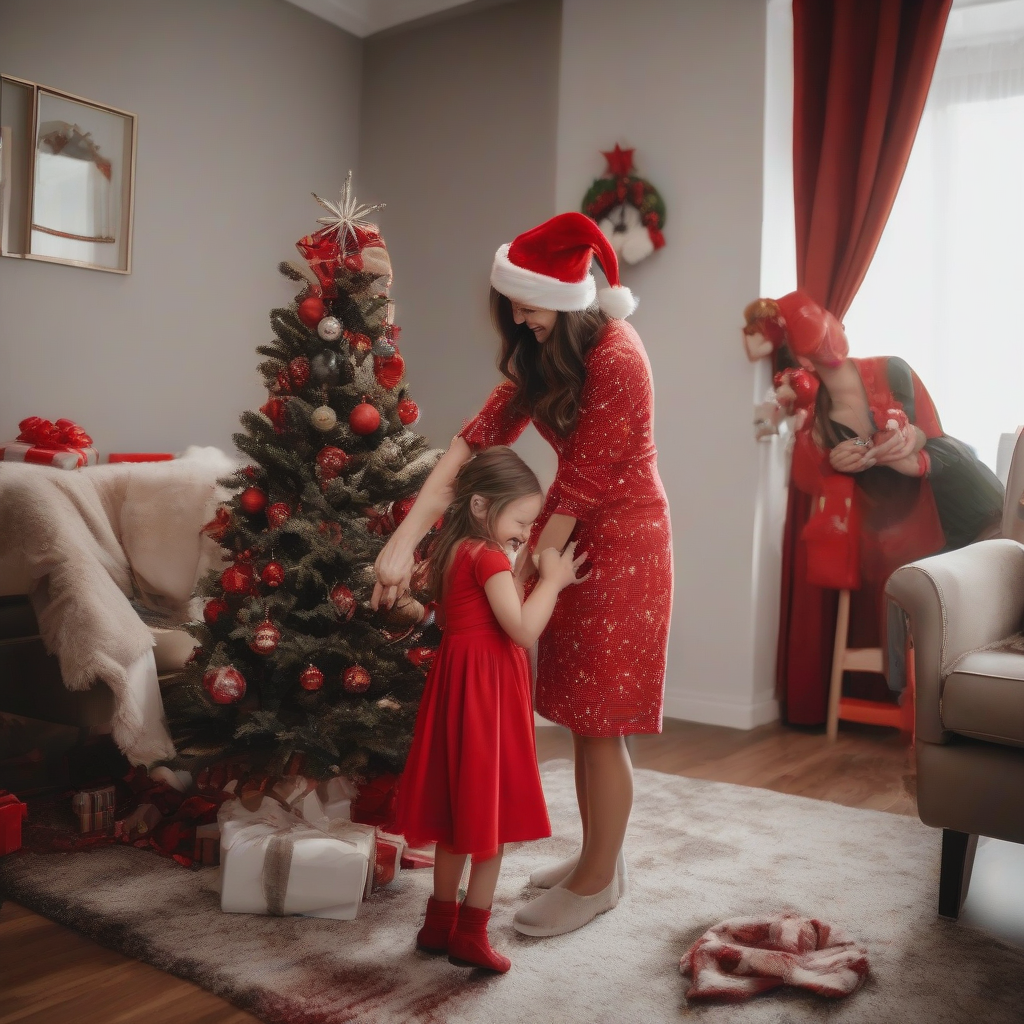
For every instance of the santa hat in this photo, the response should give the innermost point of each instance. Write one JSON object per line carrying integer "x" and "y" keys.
{"x": 549, "y": 267}
{"x": 813, "y": 332}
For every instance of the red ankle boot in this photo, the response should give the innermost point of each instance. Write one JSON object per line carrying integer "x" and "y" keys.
{"x": 469, "y": 945}
{"x": 437, "y": 929}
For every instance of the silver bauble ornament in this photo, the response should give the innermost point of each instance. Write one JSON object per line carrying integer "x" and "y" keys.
{"x": 324, "y": 418}
{"x": 329, "y": 328}
{"x": 324, "y": 367}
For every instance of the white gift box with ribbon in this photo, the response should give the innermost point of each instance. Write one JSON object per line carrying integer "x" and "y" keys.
{"x": 277, "y": 861}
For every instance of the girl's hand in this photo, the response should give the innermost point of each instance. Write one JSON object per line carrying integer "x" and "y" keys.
{"x": 561, "y": 568}
{"x": 895, "y": 445}
{"x": 853, "y": 456}
{"x": 393, "y": 569}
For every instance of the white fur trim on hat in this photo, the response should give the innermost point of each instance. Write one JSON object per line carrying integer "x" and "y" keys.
{"x": 539, "y": 290}
{"x": 617, "y": 302}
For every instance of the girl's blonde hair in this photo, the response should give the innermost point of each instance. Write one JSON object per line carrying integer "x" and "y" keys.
{"x": 500, "y": 477}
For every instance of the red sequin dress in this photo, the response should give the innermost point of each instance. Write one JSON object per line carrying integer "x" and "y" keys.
{"x": 471, "y": 779}
{"x": 601, "y": 661}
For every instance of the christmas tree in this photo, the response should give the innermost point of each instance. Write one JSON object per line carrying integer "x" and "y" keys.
{"x": 291, "y": 658}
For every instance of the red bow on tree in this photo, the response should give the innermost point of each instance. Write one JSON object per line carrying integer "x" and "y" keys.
{"x": 57, "y": 436}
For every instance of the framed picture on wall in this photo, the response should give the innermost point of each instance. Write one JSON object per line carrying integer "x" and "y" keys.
{"x": 78, "y": 169}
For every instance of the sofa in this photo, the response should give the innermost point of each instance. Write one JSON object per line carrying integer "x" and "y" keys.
{"x": 97, "y": 569}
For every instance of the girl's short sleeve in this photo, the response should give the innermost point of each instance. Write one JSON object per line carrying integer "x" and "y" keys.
{"x": 489, "y": 562}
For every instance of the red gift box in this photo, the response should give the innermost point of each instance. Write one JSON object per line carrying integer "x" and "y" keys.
{"x": 12, "y": 811}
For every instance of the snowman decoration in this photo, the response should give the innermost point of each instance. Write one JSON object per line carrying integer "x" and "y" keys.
{"x": 628, "y": 209}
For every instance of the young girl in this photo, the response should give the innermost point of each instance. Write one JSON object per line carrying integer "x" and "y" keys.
{"x": 471, "y": 783}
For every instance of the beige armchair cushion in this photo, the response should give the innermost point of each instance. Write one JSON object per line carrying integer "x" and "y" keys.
{"x": 984, "y": 698}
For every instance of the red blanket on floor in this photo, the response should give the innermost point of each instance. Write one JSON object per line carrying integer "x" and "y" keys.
{"x": 744, "y": 956}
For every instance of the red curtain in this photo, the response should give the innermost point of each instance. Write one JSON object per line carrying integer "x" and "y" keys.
{"x": 862, "y": 69}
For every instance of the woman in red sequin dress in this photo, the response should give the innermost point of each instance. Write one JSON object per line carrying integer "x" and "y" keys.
{"x": 581, "y": 374}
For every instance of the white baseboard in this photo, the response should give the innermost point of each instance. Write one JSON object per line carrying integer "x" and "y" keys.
{"x": 737, "y": 714}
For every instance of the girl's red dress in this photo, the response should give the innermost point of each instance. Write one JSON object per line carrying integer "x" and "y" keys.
{"x": 471, "y": 781}
{"x": 601, "y": 660}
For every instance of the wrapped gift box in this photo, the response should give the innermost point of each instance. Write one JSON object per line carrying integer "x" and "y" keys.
{"x": 274, "y": 861}
{"x": 94, "y": 809}
{"x": 12, "y": 812}
{"x": 65, "y": 458}
{"x": 207, "y": 850}
{"x": 388, "y": 860}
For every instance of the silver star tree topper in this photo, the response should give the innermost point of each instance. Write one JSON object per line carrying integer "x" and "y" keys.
{"x": 346, "y": 214}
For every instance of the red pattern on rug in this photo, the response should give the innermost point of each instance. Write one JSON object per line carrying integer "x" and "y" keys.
{"x": 742, "y": 957}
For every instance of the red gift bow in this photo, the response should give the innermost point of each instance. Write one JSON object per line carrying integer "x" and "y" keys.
{"x": 60, "y": 436}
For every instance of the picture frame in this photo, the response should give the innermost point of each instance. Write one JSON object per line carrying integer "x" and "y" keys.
{"x": 69, "y": 192}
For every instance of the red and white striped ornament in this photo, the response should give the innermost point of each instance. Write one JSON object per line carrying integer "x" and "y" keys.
{"x": 266, "y": 638}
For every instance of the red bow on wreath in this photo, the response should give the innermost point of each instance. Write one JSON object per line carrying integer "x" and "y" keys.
{"x": 59, "y": 436}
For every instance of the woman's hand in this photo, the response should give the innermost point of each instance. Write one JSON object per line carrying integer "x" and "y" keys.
{"x": 393, "y": 569}
{"x": 560, "y": 568}
{"x": 894, "y": 446}
{"x": 853, "y": 456}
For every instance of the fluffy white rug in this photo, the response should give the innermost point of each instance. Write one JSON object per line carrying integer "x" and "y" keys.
{"x": 699, "y": 852}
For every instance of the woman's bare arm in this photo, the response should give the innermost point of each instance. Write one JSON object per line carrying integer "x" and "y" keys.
{"x": 394, "y": 564}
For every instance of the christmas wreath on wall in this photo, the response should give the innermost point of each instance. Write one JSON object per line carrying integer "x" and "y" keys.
{"x": 628, "y": 208}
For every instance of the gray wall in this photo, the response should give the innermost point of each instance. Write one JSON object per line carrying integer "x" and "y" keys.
{"x": 244, "y": 107}
{"x": 459, "y": 138}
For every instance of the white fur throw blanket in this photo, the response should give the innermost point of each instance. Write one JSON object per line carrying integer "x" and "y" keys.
{"x": 94, "y": 538}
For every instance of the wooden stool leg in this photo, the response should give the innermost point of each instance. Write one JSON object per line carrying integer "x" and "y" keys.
{"x": 835, "y": 689}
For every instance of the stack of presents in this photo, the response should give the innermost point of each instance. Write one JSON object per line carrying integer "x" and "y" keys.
{"x": 284, "y": 845}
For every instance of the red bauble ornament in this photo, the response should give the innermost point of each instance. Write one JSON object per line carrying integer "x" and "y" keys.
{"x": 225, "y": 685}
{"x": 358, "y": 342}
{"x": 278, "y": 514}
{"x": 253, "y": 500}
{"x": 237, "y": 579}
{"x": 282, "y": 383}
{"x": 214, "y": 609}
{"x": 408, "y": 411}
{"x": 276, "y": 411}
{"x": 421, "y": 657}
{"x": 356, "y": 679}
{"x": 344, "y": 601}
{"x": 298, "y": 371}
{"x": 311, "y": 678}
{"x": 332, "y": 462}
{"x": 388, "y": 370}
{"x": 312, "y": 310}
{"x": 400, "y": 509}
{"x": 266, "y": 638}
{"x": 273, "y": 574}
{"x": 364, "y": 419}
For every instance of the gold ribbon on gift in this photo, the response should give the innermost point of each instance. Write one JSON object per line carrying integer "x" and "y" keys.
{"x": 277, "y": 862}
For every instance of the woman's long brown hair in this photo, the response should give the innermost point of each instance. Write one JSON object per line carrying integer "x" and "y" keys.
{"x": 548, "y": 377}
{"x": 498, "y": 475}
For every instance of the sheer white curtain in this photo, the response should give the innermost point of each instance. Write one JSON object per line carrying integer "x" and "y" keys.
{"x": 946, "y": 288}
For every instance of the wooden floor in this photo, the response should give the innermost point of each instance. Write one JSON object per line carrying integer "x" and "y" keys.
{"x": 52, "y": 975}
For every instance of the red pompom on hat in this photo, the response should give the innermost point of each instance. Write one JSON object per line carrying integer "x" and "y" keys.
{"x": 549, "y": 267}
{"x": 812, "y": 331}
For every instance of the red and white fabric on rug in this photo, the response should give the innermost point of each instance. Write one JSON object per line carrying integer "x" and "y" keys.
{"x": 744, "y": 956}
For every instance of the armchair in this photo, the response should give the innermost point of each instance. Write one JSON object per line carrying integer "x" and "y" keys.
{"x": 966, "y": 610}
